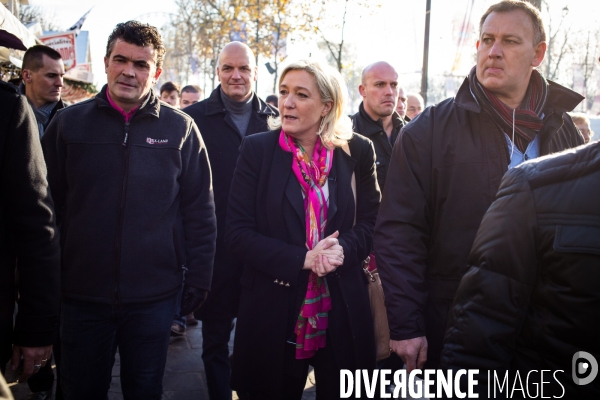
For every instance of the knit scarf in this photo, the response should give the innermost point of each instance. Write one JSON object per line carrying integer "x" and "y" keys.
{"x": 312, "y": 175}
{"x": 42, "y": 114}
{"x": 527, "y": 118}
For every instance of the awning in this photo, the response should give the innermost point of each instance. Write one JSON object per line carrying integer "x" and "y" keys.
{"x": 13, "y": 33}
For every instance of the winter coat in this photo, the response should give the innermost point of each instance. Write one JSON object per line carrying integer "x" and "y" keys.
{"x": 266, "y": 230}
{"x": 29, "y": 242}
{"x": 133, "y": 199}
{"x": 530, "y": 299}
{"x": 444, "y": 174}
{"x": 222, "y": 141}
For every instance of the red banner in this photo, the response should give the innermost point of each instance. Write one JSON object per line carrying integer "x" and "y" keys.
{"x": 64, "y": 43}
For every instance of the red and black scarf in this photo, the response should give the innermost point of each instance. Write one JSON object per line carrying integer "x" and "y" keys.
{"x": 527, "y": 118}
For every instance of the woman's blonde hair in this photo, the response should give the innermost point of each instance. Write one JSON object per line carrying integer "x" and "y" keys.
{"x": 337, "y": 127}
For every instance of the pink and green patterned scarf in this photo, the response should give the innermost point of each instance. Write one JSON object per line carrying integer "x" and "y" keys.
{"x": 312, "y": 175}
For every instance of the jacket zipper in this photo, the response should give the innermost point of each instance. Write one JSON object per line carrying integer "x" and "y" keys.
{"x": 117, "y": 268}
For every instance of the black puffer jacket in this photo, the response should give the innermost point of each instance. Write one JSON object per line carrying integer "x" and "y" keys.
{"x": 134, "y": 201}
{"x": 530, "y": 299}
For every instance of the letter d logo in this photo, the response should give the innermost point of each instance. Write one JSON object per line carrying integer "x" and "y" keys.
{"x": 583, "y": 367}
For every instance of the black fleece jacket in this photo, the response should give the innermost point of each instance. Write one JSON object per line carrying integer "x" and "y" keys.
{"x": 134, "y": 201}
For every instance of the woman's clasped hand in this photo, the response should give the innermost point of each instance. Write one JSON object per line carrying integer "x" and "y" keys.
{"x": 326, "y": 256}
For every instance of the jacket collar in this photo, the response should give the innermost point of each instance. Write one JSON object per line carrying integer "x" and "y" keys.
{"x": 150, "y": 105}
{"x": 215, "y": 105}
{"x": 369, "y": 127}
{"x": 465, "y": 99}
{"x": 560, "y": 98}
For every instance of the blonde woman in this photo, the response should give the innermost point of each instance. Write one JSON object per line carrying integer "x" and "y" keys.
{"x": 293, "y": 222}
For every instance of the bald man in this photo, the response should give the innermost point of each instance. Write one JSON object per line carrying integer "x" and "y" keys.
{"x": 231, "y": 112}
{"x": 377, "y": 118}
{"x": 401, "y": 105}
{"x": 414, "y": 105}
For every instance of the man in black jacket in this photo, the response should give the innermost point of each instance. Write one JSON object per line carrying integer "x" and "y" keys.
{"x": 447, "y": 167}
{"x": 43, "y": 71}
{"x": 530, "y": 300}
{"x": 131, "y": 181}
{"x": 231, "y": 112}
{"x": 377, "y": 118}
{"x": 29, "y": 243}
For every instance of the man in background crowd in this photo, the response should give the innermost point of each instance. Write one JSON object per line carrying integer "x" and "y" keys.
{"x": 379, "y": 120}
{"x": 376, "y": 117}
{"x": 582, "y": 122}
{"x": 401, "y": 106}
{"x": 232, "y": 112}
{"x": 414, "y": 105}
{"x": 273, "y": 100}
{"x": 190, "y": 94}
{"x": 169, "y": 93}
{"x": 42, "y": 73}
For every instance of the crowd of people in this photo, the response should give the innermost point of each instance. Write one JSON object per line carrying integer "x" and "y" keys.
{"x": 129, "y": 216}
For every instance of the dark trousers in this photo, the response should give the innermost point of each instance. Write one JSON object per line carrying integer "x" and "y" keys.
{"x": 215, "y": 355}
{"x": 91, "y": 334}
{"x": 327, "y": 376}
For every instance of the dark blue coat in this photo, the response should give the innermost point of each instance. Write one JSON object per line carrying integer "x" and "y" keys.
{"x": 222, "y": 140}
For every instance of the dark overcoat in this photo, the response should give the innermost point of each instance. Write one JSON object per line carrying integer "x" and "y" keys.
{"x": 444, "y": 173}
{"x": 27, "y": 231}
{"x": 222, "y": 140}
{"x": 266, "y": 230}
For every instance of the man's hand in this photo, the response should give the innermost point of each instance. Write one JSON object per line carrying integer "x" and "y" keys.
{"x": 412, "y": 351}
{"x": 33, "y": 359}
{"x": 191, "y": 299}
